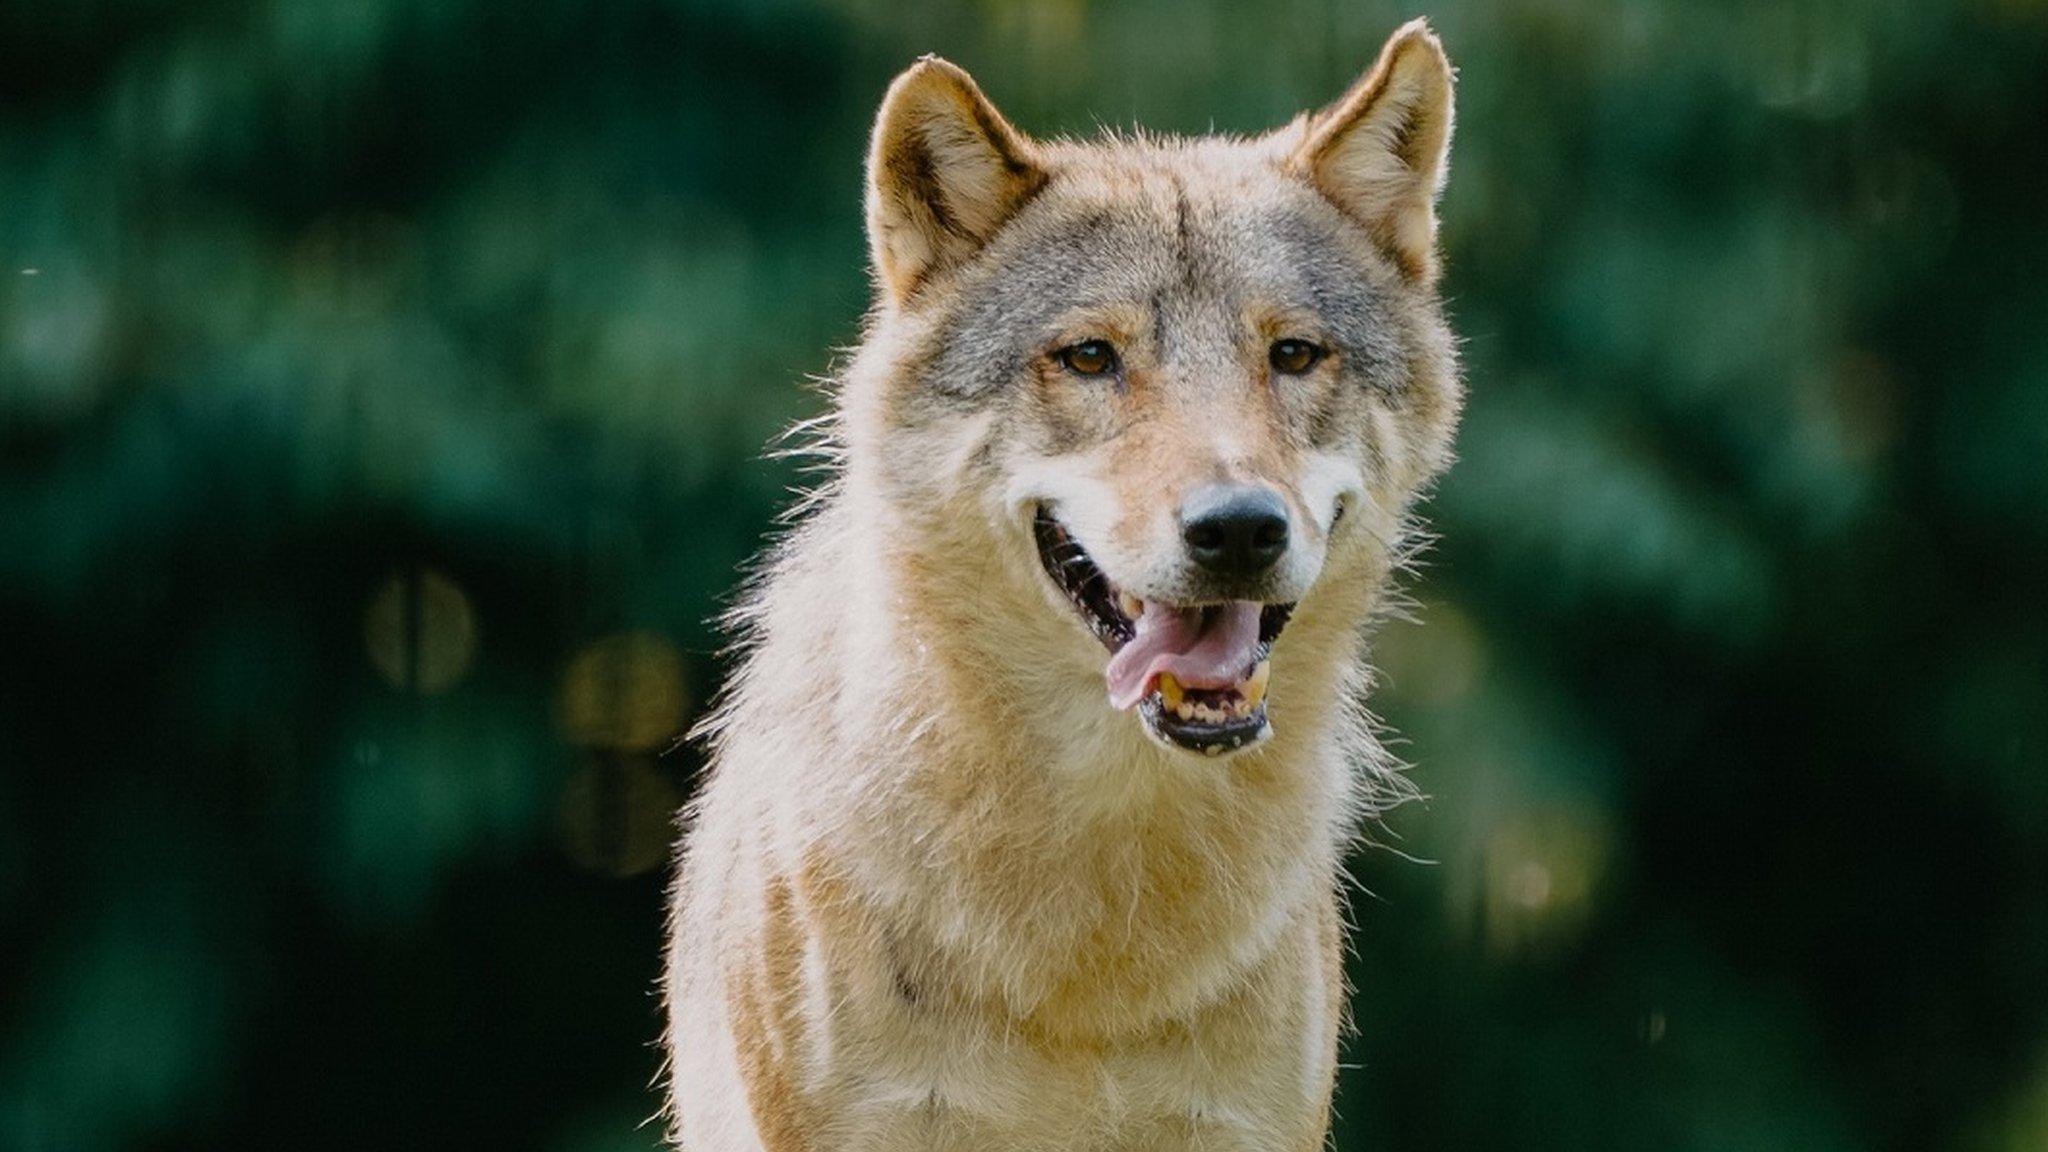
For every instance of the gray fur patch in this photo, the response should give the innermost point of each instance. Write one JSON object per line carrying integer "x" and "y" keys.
{"x": 1340, "y": 290}
{"x": 1014, "y": 300}
{"x": 1191, "y": 269}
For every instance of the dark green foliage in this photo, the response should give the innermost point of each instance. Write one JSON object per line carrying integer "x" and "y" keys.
{"x": 381, "y": 386}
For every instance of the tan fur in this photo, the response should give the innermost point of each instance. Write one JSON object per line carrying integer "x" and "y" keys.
{"x": 936, "y": 893}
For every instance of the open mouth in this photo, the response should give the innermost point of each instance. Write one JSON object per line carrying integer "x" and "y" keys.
{"x": 1196, "y": 673}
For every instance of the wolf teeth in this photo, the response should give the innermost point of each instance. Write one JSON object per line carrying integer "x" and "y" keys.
{"x": 1255, "y": 688}
{"x": 1170, "y": 692}
{"x": 1242, "y": 705}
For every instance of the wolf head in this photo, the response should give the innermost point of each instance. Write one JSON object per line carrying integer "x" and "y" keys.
{"x": 1135, "y": 414}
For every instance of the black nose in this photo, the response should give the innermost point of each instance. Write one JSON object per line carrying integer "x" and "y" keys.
{"x": 1234, "y": 530}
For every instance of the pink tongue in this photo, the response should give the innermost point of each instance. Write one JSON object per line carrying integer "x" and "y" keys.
{"x": 1176, "y": 640}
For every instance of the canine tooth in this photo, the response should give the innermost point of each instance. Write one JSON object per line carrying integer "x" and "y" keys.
{"x": 1255, "y": 688}
{"x": 1214, "y": 750}
{"x": 1170, "y": 691}
{"x": 1130, "y": 605}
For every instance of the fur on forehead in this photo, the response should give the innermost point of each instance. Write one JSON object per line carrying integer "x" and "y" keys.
{"x": 1118, "y": 161}
{"x": 1210, "y": 228}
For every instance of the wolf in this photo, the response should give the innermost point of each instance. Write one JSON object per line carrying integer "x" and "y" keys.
{"x": 1029, "y": 794}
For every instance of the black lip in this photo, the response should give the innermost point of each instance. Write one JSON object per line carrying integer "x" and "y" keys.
{"x": 1070, "y": 568}
{"x": 1196, "y": 736}
{"x": 1095, "y": 598}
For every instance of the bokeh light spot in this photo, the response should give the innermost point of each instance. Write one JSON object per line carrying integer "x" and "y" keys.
{"x": 420, "y": 632}
{"x": 1542, "y": 872}
{"x": 625, "y": 692}
{"x": 616, "y": 815}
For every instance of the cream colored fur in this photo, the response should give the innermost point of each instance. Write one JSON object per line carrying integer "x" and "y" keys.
{"x": 936, "y": 893}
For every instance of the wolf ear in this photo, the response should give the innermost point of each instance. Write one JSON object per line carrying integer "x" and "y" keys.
{"x": 945, "y": 171}
{"x": 1381, "y": 151}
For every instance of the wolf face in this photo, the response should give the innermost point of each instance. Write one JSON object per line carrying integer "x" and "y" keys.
{"x": 1190, "y": 387}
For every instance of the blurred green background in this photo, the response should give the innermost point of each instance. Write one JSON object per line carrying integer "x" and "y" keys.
{"x": 381, "y": 389}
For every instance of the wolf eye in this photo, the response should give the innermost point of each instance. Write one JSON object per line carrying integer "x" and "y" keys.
{"x": 1293, "y": 357}
{"x": 1088, "y": 358}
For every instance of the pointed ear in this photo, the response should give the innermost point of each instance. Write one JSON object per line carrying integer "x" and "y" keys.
{"x": 945, "y": 170}
{"x": 1380, "y": 152}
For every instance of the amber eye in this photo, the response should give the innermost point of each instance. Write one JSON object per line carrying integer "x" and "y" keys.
{"x": 1293, "y": 357}
{"x": 1089, "y": 358}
